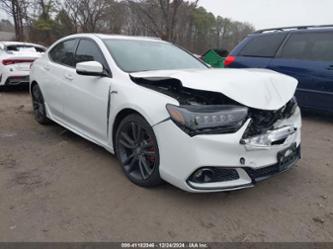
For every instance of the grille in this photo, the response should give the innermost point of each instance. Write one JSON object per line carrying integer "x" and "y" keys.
{"x": 257, "y": 174}
{"x": 224, "y": 175}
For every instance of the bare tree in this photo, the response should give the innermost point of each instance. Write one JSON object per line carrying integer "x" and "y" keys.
{"x": 18, "y": 10}
{"x": 72, "y": 7}
{"x": 180, "y": 21}
{"x": 159, "y": 16}
{"x": 86, "y": 14}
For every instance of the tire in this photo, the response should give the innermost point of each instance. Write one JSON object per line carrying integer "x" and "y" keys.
{"x": 38, "y": 106}
{"x": 136, "y": 148}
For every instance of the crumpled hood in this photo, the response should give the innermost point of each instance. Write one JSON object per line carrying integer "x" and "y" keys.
{"x": 257, "y": 88}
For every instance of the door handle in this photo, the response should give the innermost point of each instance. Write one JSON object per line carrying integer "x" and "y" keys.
{"x": 47, "y": 68}
{"x": 69, "y": 77}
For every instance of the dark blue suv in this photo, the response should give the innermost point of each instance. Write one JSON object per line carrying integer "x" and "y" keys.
{"x": 305, "y": 53}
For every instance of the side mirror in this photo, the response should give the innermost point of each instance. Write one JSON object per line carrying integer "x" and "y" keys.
{"x": 90, "y": 68}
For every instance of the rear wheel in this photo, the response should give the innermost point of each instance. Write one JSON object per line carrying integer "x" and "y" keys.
{"x": 136, "y": 148}
{"x": 38, "y": 105}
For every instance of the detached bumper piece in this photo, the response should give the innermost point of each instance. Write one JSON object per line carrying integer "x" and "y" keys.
{"x": 17, "y": 80}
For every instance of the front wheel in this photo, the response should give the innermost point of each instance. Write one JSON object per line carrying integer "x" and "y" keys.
{"x": 38, "y": 105}
{"x": 136, "y": 148}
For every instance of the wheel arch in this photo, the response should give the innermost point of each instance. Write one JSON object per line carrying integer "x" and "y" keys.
{"x": 33, "y": 83}
{"x": 119, "y": 117}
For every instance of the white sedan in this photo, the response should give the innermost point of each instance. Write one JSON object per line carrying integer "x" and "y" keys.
{"x": 166, "y": 115}
{"x": 15, "y": 61}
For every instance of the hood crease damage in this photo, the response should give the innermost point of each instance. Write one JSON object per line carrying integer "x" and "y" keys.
{"x": 269, "y": 99}
{"x": 256, "y": 88}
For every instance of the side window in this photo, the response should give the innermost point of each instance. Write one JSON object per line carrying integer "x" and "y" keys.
{"x": 265, "y": 45}
{"x": 88, "y": 51}
{"x": 322, "y": 49}
{"x": 40, "y": 49}
{"x": 294, "y": 48}
{"x": 316, "y": 46}
{"x": 63, "y": 53}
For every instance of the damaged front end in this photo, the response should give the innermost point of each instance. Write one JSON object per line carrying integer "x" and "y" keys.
{"x": 237, "y": 141}
{"x": 205, "y": 112}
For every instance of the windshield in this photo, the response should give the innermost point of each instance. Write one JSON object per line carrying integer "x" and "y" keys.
{"x": 136, "y": 56}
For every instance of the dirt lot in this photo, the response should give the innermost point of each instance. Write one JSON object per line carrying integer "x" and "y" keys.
{"x": 55, "y": 186}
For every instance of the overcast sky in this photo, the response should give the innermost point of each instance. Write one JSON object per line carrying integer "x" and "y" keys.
{"x": 270, "y": 13}
{"x": 273, "y": 13}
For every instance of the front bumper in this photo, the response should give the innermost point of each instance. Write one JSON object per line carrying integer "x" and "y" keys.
{"x": 182, "y": 155}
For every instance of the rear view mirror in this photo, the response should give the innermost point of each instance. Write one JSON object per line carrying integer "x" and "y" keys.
{"x": 90, "y": 68}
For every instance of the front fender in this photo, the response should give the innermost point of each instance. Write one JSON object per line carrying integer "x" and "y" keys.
{"x": 148, "y": 103}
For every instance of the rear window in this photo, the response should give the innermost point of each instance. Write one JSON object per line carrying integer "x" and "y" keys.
{"x": 24, "y": 48}
{"x": 265, "y": 45}
{"x": 316, "y": 46}
{"x": 63, "y": 53}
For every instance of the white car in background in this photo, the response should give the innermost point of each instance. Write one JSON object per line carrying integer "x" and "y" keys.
{"x": 15, "y": 61}
{"x": 166, "y": 115}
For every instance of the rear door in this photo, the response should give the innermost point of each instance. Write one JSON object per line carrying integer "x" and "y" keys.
{"x": 60, "y": 63}
{"x": 308, "y": 56}
{"x": 257, "y": 50}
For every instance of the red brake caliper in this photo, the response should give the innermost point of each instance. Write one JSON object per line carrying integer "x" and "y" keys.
{"x": 151, "y": 158}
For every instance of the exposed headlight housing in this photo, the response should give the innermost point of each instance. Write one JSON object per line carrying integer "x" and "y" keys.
{"x": 212, "y": 119}
{"x": 290, "y": 108}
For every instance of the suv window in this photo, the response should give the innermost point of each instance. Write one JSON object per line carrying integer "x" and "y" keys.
{"x": 63, "y": 53}
{"x": 89, "y": 51}
{"x": 265, "y": 45}
{"x": 316, "y": 46}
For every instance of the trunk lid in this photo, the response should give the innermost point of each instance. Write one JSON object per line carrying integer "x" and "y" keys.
{"x": 21, "y": 61}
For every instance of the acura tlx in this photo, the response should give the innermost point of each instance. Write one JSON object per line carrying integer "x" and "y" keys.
{"x": 166, "y": 115}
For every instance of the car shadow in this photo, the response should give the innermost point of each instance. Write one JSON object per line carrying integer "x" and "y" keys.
{"x": 23, "y": 88}
{"x": 164, "y": 189}
{"x": 323, "y": 117}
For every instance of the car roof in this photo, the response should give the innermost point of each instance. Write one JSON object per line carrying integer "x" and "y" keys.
{"x": 295, "y": 29}
{"x": 11, "y": 43}
{"x": 107, "y": 36}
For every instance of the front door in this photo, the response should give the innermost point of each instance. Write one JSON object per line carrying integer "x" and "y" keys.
{"x": 87, "y": 97}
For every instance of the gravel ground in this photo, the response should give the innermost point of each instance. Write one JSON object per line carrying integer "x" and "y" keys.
{"x": 55, "y": 186}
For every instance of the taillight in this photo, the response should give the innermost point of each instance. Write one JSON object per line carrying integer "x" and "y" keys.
{"x": 15, "y": 61}
{"x": 7, "y": 62}
{"x": 229, "y": 60}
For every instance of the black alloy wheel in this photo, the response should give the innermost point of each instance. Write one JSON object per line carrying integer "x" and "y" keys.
{"x": 39, "y": 106}
{"x": 137, "y": 150}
